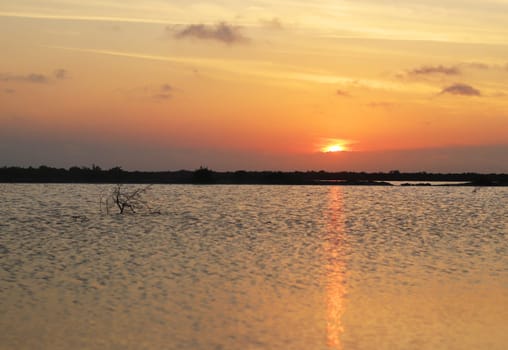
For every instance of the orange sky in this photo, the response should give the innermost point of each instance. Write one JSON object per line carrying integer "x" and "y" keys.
{"x": 255, "y": 85}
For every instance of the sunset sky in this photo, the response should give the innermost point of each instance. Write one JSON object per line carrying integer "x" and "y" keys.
{"x": 255, "y": 84}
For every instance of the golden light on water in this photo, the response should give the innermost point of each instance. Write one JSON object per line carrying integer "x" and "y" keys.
{"x": 335, "y": 272}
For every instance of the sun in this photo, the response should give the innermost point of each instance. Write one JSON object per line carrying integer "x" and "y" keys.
{"x": 333, "y": 145}
{"x": 333, "y": 148}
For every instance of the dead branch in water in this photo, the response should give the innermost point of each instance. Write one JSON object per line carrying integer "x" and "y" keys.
{"x": 132, "y": 200}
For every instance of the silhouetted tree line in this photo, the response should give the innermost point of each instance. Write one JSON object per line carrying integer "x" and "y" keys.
{"x": 204, "y": 175}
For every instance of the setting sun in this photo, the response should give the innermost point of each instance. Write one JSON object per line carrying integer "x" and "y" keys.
{"x": 333, "y": 145}
{"x": 333, "y": 148}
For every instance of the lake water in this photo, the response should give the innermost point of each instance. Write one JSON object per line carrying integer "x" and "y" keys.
{"x": 255, "y": 267}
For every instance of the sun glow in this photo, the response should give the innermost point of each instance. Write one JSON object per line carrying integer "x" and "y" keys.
{"x": 333, "y": 145}
{"x": 333, "y": 148}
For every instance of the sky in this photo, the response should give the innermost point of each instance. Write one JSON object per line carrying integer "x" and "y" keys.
{"x": 357, "y": 85}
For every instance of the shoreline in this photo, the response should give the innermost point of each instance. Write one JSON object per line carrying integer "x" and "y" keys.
{"x": 96, "y": 175}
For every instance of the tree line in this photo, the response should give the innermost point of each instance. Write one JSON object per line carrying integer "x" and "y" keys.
{"x": 203, "y": 175}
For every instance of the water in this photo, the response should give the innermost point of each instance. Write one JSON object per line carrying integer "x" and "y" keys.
{"x": 255, "y": 267}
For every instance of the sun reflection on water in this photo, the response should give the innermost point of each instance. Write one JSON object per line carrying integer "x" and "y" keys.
{"x": 335, "y": 270}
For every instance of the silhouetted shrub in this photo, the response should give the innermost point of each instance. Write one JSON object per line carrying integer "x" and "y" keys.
{"x": 203, "y": 176}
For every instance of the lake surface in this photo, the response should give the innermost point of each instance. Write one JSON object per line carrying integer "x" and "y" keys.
{"x": 255, "y": 267}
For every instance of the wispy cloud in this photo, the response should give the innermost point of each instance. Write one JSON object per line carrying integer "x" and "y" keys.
{"x": 164, "y": 92}
{"x": 34, "y": 78}
{"x": 433, "y": 70}
{"x": 222, "y": 32}
{"x": 460, "y": 89}
{"x": 453, "y": 70}
{"x": 153, "y": 93}
{"x": 342, "y": 93}
{"x": 60, "y": 74}
{"x": 166, "y": 88}
{"x": 385, "y": 105}
{"x": 484, "y": 66}
{"x": 80, "y": 18}
{"x": 477, "y": 65}
{"x": 266, "y": 70}
{"x": 273, "y": 23}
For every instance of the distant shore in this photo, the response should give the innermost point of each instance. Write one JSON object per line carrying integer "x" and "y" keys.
{"x": 95, "y": 174}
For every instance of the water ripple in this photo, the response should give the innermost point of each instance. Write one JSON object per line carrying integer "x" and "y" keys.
{"x": 260, "y": 267}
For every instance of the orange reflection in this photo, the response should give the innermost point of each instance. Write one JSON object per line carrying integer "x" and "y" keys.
{"x": 335, "y": 270}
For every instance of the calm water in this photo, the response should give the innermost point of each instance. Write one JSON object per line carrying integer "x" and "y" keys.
{"x": 255, "y": 267}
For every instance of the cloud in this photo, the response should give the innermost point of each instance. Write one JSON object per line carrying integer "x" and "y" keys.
{"x": 477, "y": 65}
{"x": 64, "y": 17}
{"x": 60, "y": 74}
{"x": 222, "y": 32}
{"x": 9, "y": 91}
{"x": 342, "y": 93}
{"x": 431, "y": 70}
{"x": 455, "y": 70}
{"x": 166, "y": 88}
{"x": 34, "y": 78}
{"x": 485, "y": 66}
{"x": 29, "y": 78}
{"x": 162, "y": 96}
{"x": 460, "y": 89}
{"x": 151, "y": 92}
{"x": 164, "y": 92}
{"x": 387, "y": 105}
{"x": 273, "y": 23}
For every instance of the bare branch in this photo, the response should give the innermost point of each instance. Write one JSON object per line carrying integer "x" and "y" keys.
{"x": 123, "y": 199}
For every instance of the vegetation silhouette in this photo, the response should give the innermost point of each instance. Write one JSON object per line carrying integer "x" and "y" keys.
{"x": 204, "y": 175}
